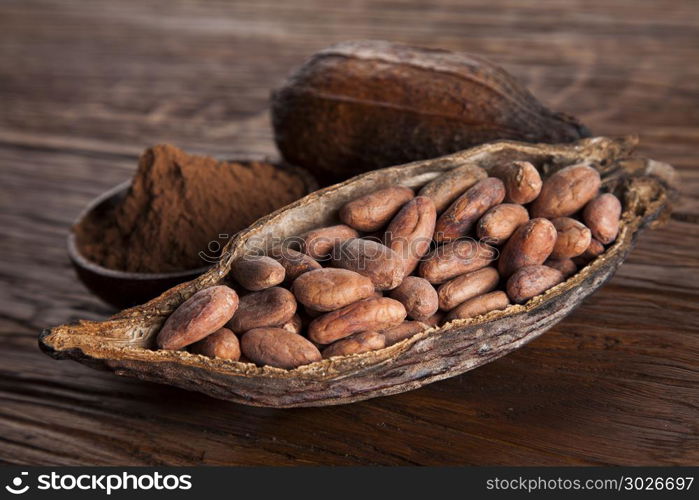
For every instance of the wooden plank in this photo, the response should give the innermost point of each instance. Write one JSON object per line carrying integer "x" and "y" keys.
{"x": 86, "y": 86}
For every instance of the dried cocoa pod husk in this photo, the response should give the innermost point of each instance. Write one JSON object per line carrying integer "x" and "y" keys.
{"x": 125, "y": 343}
{"x": 358, "y": 106}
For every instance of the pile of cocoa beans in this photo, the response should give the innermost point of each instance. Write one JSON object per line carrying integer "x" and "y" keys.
{"x": 468, "y": 243}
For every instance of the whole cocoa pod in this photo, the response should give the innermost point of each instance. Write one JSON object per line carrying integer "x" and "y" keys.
{"x": 362, "y": 105}
{"x": 380, "y": 264}
{"x": 372, "y": 211}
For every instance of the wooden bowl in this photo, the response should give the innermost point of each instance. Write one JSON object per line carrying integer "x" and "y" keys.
{"x": 120, "y": 288}
{"x": 124, "y": 343}
{"x": 123, "y": 289}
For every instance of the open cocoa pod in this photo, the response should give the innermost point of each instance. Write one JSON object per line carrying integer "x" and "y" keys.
{"x": 123, "y": 343}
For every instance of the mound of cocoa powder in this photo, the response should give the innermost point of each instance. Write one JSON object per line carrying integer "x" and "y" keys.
{"x": 177, "y": 205}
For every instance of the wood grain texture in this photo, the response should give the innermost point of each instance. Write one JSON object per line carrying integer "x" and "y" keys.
{"x": 85, "y": 86}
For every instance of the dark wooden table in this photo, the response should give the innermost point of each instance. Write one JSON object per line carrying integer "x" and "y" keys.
{"x": 85, "y": 86}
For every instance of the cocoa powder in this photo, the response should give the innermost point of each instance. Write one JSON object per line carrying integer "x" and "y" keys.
{"x": 177, "y": 205}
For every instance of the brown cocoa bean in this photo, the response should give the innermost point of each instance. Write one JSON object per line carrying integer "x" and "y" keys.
{"x": 372, "y": 211}
{"x": 449, "y": 186}
{"x": 202, "y": 314}
{"x": 469, "y": 285}
{"x": 271, "y": 307}
{"x": 355, "y": 344}
{"x": 410, "y": 232}
{"x": 329, "y": 289}
{"x": 566, "y": 191}
{"x": 221, "y": 344}
{"x": 452, "y": 259}
{"x": 530, "y": 245}
{"x": 257, "y": 272}
{"x": 403, "y": 331}
{"x": 521, "y": 179}
{"x": 367, "y": 314}
{"x": 294, "y": 325}
{"x": 418, "y": 296}
{"x": 498, "y": 223}
{"x": 594, "y": 250}
{"x": 482, "y": 304}
{"x": 380, "y": 264}
{"x": 295, "y": 263}
{"x": 566, "y": 266}
{"x": 278, "y": 347}
{"x": 436, "y": 319}
{"x": 318, "y": 243}
{"x": 572, "y": 238}
{"x": 530, "y": 281}
{"x": 461, "y": 215}
{"x": 602, "y": 215}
